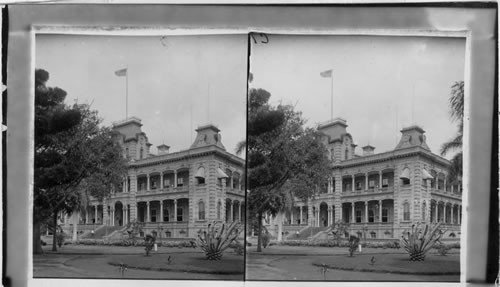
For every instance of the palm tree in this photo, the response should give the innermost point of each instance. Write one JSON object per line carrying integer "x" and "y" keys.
{"x": 456, "y": 102}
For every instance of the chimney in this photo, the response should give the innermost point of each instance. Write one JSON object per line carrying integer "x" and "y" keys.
{"x": 368, "y": 150}
{"x": 163, "y": 149}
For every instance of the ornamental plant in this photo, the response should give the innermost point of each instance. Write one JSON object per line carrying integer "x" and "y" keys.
{"x": 418, "y": 241}
{"x": 149, "y": 242}
{"x": 353, "y": 244}
{"x": 217, "y": 238}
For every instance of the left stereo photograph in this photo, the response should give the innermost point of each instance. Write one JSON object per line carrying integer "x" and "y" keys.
{"x": 139, "y": 165}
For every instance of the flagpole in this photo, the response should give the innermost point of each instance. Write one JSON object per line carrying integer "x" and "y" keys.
{"x": 331, "y": 92}
{"x": 126, "y": 91}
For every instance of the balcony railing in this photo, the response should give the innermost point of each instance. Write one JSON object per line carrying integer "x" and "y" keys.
{"x": 184, "y": 188}
{"x": 447, "y": 193}
{"x": 369, "y": 191}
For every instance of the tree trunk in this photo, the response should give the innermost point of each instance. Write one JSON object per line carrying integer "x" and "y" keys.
{"x": 259, "y": 232}
{"x": 76, "y": 216}
{"x": 37, "y": 238}
{"x": 280, "y": 227}
{"x": 54, "y": 235}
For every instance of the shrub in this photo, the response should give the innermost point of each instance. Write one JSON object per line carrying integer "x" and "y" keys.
{"x": 237, "y": 247}
{"x": 443, "y": 249}
{"x": 149, "y": 243}
{"x": 418, "y": 242}
{"x": 218, "y": 238}
{"x": 266, "y": 238}
{"x": 60, "y": 238}
{"x": 353, "y": 244}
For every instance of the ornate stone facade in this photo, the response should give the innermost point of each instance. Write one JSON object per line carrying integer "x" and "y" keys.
{"x": 173, "y": 194}
{"x": 382, "y": 194}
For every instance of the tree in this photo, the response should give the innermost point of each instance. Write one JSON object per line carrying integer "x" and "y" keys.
{"x": 72, "y": 152}
{"x": 284, "y": 158}
{"x": 456, "y": 103}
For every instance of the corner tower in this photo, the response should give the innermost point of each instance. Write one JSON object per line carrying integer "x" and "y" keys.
{"x": 337, "y": 140}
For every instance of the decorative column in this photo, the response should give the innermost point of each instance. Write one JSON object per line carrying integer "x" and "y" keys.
{"x": 352, "y": 187}
{"x": 353, "y": 214}
{"x": 301, "y": 218}
{"x": 112, "y": 217}
{"x": 124, "y": 186}
{"x": 291, "y": 216}
{"x": 459, "y": 214}
{"x": 333, "y": 215}
{"x": 366, "y": 181}
{"x": 366, "y": 211}
{"x": 161, "y": 180}
{"x": 95, "y": 214}
{"x": 436, "y": 214}
{"x": 125, "y": 218}
{"x": 380, "y": 210}
{"x": 329, "y": 216}
{"x": 175, "y": 209}
{"x": 230, "y": 219}
{"x": 86, "y": 216}
{"x": 148, "y": 186}
{"x": 317, "y": 217}
{"x": 380, "y": 179}
{"x": 175, "y": 183}
{"x": 444, "y": 213}
{"x": 124, "y": 214}
{"x": 445, "y": 185}
{"x": 239, "y": 212}
{"x": 148, "y": 215}
{"x": 454, "y": 218}
{"x": 161, "y": 208}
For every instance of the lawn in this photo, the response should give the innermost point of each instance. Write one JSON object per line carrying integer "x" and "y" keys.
{"x": 394, "y": 263}
{"x": 182, "y": 262}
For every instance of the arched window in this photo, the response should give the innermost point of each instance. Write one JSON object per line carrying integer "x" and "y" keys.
{"x": 373, "y": 234}
{"x": 201, "y": 210}
{"x": 406, "y": 211}
{"x": 141, "y": 153}
{"x": 218, "y": 209}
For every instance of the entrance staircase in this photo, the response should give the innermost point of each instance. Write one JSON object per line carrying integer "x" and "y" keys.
{"x": 308, "y": 233}
{"x": 115, "y": 232}
{"x": 102, "y": 232}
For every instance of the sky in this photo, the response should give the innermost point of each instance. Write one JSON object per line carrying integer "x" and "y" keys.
{"x": 175, "y": 83}
{"x": 380, "y": 83}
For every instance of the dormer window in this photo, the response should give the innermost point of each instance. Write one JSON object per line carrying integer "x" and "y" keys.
{"x": 200, "y": 175}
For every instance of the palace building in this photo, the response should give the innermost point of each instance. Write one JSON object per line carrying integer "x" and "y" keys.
{"x": 378, "y": 194}
{"x": 174, "y": 194}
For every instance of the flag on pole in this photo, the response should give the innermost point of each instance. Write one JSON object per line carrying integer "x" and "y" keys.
{"x": 121, "y": 73}
{"x": 326, "y": 74}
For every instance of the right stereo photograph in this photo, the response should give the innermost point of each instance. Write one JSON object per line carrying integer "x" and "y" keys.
{"x": 354, "y": 150}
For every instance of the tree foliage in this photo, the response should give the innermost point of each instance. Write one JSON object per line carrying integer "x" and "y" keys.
{"x": 456, "y": 103}
{"x": 285, "y": 159}
{"x": 74, "y": 155}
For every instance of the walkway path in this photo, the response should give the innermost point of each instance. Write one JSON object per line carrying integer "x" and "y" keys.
{"x": 92, "y": 262}
{"x": 295, "y": 263}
